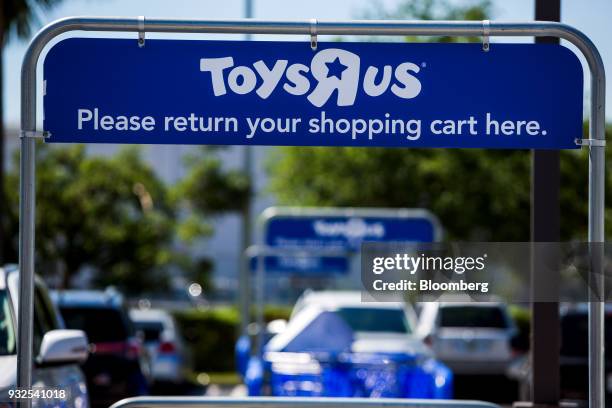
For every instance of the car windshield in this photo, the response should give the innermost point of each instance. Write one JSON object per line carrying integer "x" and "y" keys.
{"x": 468, "y": 316}
{"x": 7, "y": 332}
{"x": 100, "y": 324}
{"x": 362, "y": 319}
{"x": 150, "y": 330}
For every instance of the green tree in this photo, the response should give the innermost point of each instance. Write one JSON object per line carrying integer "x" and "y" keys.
{"x": 434, "y": 10}
{"x": 207, "y": 190}
{"x": 477, "y": 194}
{"x": 17, "y": 17}
{"x": 112, "y": 215}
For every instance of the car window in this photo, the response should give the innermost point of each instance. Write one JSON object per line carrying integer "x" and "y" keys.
{"x": 151, "y": 330}
{"x": 100, "y": 324}
{"x": 375, "y": 320}
{"x": 44, "y": 317}
{"x": 476, "y": 316}
{"x": 48, "y": 316}
{"x": 7, "y": 330}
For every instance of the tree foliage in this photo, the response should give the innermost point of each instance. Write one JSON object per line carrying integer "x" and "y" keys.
{"x": 111, "y": 215}
{"x": 477, "y": 194}
{"x": 116, "y": 218}
{"x": 434, "y": 10}
{"x": 209, "y": 188}
{"x": 19, "y": 16}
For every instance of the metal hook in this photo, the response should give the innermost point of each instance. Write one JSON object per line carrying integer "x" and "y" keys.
{"x": 37, "y": 134}
{"x": 141, "y": 31}
{"x": 485, "y": 35}
{"x": 313, "y": 33}
{"x": 590, "y": 142}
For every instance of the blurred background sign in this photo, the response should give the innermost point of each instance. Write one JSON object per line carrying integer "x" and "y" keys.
{"x": 308, "y": 234}
{"x": 304, "y": 264}
{"x": 346, "y": 228}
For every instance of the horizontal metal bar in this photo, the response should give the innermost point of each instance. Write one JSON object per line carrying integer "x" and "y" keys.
{"x": 324, "y": 27}
{"x": 269, "y": 402}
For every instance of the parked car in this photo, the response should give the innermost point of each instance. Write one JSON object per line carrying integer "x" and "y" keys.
{"x": 336, "y": 346}
{"x": 169, "y": 359}
{"x": 399, "y": 315}
{"x": 378, "y": 326}
{"x": 471, "y": 338}
{"x": 117, "y": 366}
{"x": 573, "y": 359}
{"x": 58, "y": 351}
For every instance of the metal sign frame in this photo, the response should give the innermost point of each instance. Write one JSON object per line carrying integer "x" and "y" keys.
{"x": 30, "y": 86}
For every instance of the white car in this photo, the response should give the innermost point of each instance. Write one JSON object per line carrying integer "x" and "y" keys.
{"x": 471, "y": 338}
{"x": 374, "y": 343}
{"x": 378, "y": 326}
{"x": 164, "y": 344}
{"x": 58, "y": 351}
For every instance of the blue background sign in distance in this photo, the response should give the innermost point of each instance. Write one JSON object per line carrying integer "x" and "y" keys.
{"x": 346, "y": 233}
{"x": 521, "y": 96}
{"x": 304, "y": 265}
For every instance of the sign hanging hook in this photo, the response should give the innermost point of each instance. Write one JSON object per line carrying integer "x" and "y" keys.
{"x": 485, "y": 35}
{"x": 141, "y": 31}
{"x": 590, "y": 142}
{"x": 313, "y": 33}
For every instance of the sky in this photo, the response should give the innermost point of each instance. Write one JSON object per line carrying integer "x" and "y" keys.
{"x": 590, "y": 16}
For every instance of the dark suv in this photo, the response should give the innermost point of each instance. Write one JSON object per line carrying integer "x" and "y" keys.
{"x": 574, "y": 352}
{"x": 574, "y": 356}
{"x": 117, "y": 366}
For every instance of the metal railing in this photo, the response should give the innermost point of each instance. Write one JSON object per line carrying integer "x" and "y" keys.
{"x": 294, "y": 402}
{"x": 31, "y": 85}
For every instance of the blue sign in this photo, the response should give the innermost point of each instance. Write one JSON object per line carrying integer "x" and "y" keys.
{"x": 519, "y": 96}
{"x": 346, "y": 232}
{"x": 306, "y": 265}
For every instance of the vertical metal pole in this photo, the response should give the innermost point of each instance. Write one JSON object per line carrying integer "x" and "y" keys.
{"x": 259, "y": 296}
{"x": 244, "y": 293}
{"x": 545, "y": 227}
{"x": 596, "y": 278}
{"x": 26, "y": 266}
{"x": 27, "y": 208}
{"x": 597, "y": 158}
{"x": 248, "y": 13}
{"x": 245, "y": 274}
